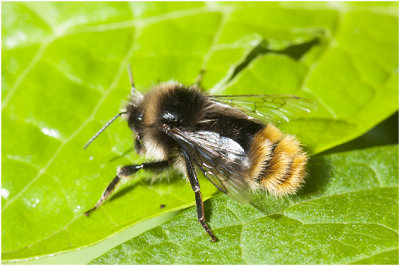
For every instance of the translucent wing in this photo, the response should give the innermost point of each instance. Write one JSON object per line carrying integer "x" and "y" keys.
{"x": 221, "y": 159}
{"x": 267, "y": 107}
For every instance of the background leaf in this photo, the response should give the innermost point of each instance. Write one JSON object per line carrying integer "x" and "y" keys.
{"x": 64, "y": 75}
{"x": 347, "y": 213}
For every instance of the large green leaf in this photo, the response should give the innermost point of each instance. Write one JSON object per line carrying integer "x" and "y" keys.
{"x": 348, "y": 213}
{"x": 64, "y": 75}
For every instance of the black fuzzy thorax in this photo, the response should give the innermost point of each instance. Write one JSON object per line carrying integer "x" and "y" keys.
{"x": 241, "y": 130}
{"x": 190, "y": 111}
{"x": 181, "y": 107}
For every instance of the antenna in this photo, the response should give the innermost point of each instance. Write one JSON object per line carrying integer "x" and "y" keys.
{"x": 102, "y": 129}
{"x": 131, "y": 79}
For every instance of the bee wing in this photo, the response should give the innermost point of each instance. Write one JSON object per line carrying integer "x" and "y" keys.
{"x": 221, "y": 159}
{"x": 235, "y": 188}
{"x": 267, "y": 107}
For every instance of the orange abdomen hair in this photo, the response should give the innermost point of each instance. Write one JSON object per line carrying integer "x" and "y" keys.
{"x": 277, "y": 162}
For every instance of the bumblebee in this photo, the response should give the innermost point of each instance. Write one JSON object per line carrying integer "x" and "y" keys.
{"x": 229, "y": 139}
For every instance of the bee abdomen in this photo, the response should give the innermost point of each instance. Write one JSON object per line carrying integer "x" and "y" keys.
{"x": 278, "y": 162}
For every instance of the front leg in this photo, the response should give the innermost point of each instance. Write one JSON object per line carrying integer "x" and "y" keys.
{"x": 125, "y": 173}
{"x": 191, "y": 173}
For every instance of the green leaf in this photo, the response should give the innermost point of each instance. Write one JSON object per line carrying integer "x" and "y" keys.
{"x": 353, "y": 68}
{"x": 64, "y": 75}
{"x": 347, "y": 213}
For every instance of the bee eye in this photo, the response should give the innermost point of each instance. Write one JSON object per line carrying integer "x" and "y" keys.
{"x": 140, "y": 117}
{"x": 135, "y": 118}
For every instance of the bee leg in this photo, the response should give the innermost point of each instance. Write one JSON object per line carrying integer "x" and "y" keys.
{"x": 126, "y": 173}
{"x": 200, "y": 215}
{"x": 194, "y": 182}
{"x": 106, "y": 194}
